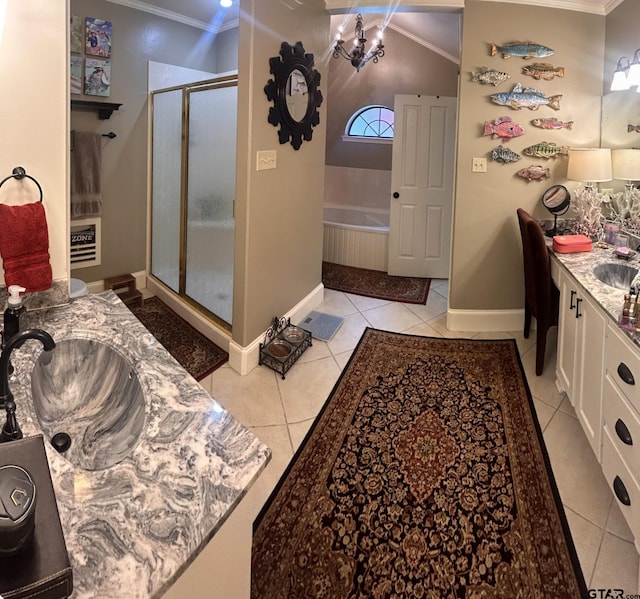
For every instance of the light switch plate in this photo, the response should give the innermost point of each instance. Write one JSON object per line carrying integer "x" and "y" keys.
{"x": 479, "y": 165}
{"x": 266, "y": 159}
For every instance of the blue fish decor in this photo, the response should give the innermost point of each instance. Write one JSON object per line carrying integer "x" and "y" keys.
{"x": 527, "y": 97}
{"x": 522, "y": 49}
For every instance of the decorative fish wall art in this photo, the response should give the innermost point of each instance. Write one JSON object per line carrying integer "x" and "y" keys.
{"x": 522, "y": 49}
{"x": 534, "y": 173}
{"x": 527, "y": 97}
{"x": 546, "y": 150}
{"x": 504, "y": 128}
{"x": 552, "y": 123}
{"x": 504, "y": 155}
{"x": 488, "y": 76}
{"x": 543, "y": 70}
{"x": 632, "y": 128}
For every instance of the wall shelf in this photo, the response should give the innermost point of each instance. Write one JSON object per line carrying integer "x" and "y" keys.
{"x": 104, "y": 109}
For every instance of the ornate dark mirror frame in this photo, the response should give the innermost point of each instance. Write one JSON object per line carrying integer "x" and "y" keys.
{"x": 293, "y": 58}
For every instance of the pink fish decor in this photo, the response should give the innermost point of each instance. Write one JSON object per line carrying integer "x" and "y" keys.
{"x": 503, "y": 128}
{"x": 534, "y": 173}
{"x": 632, "y": 128}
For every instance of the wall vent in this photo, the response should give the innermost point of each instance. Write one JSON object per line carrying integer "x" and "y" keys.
{"x": 85, "y": 242}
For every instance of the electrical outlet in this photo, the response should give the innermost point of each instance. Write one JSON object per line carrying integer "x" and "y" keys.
{"x": 479, "y": 165}
{"x": 266, "y": 159}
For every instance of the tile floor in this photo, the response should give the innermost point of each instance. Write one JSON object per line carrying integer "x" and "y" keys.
{"x": 281, "y": 411}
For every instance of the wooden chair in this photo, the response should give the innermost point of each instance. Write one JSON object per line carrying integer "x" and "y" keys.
{"x": 542, "y": 297}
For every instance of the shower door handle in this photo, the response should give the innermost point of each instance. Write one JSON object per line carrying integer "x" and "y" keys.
{"x": 396, "y": 195}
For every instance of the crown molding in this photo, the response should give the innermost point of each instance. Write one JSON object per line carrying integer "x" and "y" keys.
{"x": 174, "y": 16}
{"x": 597, "y": 7}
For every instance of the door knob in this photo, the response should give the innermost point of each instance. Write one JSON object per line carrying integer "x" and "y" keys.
{"x": 396, "y": 195}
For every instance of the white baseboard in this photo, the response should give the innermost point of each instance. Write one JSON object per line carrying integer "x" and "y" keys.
{"x": 244, "y": 359}
{"x": 485, "y": 320}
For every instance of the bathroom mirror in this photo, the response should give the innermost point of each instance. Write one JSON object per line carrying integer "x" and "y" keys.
{"x": 294, "y": 93}
{"x": 556, "y": 200}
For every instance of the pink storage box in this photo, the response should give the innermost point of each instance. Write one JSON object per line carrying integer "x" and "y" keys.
{"x": 568, "y": 244}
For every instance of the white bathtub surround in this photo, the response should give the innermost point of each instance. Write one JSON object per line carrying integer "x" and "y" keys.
{"x": 355, "y": 236}
{"x": 131, "y": 529}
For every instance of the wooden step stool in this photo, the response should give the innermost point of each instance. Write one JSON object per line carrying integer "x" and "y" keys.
{"x": 125, "y": 287}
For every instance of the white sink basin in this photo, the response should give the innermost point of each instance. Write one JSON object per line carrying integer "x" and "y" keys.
{"x": 87, "y": 392}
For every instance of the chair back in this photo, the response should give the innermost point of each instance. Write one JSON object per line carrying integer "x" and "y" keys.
{"x": 538, "y": 284}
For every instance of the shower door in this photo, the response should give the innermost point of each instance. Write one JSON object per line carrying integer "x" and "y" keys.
{"x": 193, "y": 193}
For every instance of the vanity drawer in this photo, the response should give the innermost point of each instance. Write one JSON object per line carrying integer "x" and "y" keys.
{"x": 622, "y": 362}
{"x": 621, "y": 483}
{"x": 622, "y": 423}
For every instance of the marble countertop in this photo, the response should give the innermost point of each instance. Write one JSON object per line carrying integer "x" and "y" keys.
{"x": 581, "y": 265}
{"x": 133, "y": 528}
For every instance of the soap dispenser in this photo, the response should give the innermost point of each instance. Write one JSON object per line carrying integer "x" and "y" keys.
{"x": 13, "y": 313}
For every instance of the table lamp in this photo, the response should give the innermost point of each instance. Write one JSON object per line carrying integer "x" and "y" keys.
{"x": 589, "y": 166}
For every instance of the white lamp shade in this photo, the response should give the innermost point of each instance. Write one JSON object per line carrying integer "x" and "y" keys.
{"x": 589, "y": 164}
{"x": 620, "y": 82}
{"x": 633, "y": 78}
{"x": 626, "y": 164}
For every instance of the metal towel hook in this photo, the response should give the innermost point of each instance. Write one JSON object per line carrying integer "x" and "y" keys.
{"x": 20, "y": 173}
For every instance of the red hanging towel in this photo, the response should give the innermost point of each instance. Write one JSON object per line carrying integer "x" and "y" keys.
{"x": 24, "y": 246}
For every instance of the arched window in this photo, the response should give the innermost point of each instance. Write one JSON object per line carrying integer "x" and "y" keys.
{"x": 371, "y": 123}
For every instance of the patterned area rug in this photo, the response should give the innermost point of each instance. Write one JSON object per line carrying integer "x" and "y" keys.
{"x": 196, "y": 354}
{"x": 374, "y": 283}
{"x": 424, "y": 475}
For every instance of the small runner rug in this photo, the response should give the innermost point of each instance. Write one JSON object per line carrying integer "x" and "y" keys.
{"x": 195, "y": 353}
{"x": 424, "y": 475}
{"x": 374, "y": 283}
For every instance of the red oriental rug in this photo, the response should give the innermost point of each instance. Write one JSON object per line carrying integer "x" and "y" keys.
{"x": 424, "y": 476}
{"x": 374, "y": 283}
{"x": 196, "y": 354}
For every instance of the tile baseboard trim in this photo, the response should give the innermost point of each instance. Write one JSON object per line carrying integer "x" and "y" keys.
{"x": 243, "y": 359}
{"x": 486, "y": 320}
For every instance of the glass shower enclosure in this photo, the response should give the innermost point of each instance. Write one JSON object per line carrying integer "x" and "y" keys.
{"x": 193, "y": 192}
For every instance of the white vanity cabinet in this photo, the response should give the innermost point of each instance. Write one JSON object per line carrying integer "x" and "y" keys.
{"x": 580, "y": 361}
{"x": 621, "y": 437}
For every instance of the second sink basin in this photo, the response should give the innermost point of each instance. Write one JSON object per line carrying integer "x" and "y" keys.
{"x": 615, "y": 274}
{"x": 88, "y": 392}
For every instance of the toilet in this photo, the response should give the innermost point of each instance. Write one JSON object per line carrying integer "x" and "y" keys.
{"x": 77, "y": 288}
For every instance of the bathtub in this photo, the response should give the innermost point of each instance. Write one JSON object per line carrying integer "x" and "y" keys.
{"x": 354, "y": 236}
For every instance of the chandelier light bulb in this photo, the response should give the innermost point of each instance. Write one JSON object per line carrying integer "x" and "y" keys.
{"x": 226, "y": 3}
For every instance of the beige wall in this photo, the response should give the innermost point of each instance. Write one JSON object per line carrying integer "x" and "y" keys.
{"x": 486, "y": 270}
{"x": 34, "y": 113}
{"x": 278, "y": 212}
{"x": 407, "y": 68}
{"x": 138, "y": 37}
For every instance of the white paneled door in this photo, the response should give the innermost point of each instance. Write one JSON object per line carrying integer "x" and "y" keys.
{"x": 422, "y": 178}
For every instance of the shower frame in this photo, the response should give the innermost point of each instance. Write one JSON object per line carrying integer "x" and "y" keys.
{"x": 179, "y": 287}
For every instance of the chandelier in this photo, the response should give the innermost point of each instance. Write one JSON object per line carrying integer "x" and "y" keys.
{"x": 359, "y": 55}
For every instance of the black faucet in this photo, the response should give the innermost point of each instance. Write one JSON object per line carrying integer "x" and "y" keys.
{"x": 11, "y": 431}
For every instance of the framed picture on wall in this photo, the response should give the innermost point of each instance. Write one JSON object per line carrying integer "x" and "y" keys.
{"x": 97, "y": 77}
{"x": 76, "y": 34}
{"x": 98, "y": 37}
{"x": 76, "y": 74}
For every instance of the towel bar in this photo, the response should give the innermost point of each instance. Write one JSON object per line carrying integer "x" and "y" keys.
{"x": 110, "y": 135}
{"x": 19, "y": 173}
